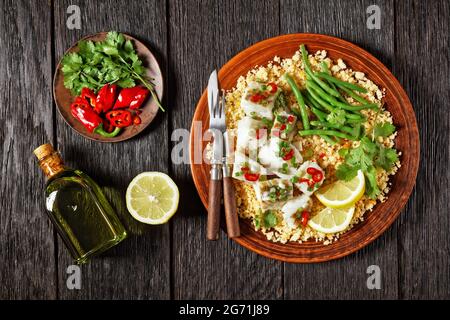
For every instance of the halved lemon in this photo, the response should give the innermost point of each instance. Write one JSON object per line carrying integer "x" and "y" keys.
{"x": 152, "y": 197}
{"x": 342, "y": 194}
{"x": 331, "y": 220}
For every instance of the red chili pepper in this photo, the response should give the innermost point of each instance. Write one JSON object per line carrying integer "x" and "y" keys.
{"x": 311, "y": 170}
{"x": 107, "y": 126}
{"x": 288, "y": 155}
{"x": 131, "y": 97}
{"x": 305, "y": 218}
{"x": 303, "y": 180}
{"x": 291, "y": 119}
{"x": 311, "y": 183}
{"x": 273, "y": 87}
{"x": 283, "y": 127}
{"x": 318, "y": 176}
{"x": 136, "y": 120}
{"x": 82, "y": 111}
{"x": 261, "y": 132}
{"x": 257, "y": 97}
{"x": 251, "y": 176}
{"x": 120, "y": 118}
{"x": 89, "y": 95}
{"x": 106, "y": 97}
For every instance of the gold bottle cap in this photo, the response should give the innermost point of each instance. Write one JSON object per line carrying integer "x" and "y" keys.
{"x": 43, "y": 150}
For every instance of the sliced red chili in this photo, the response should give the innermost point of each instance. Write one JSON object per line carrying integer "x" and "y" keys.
{"x": 136, "y": 120}
{"x": 273, "y": 87}
{"x": 291, "y": 119}
{"x": 317, "y": 177}
{"x": 257, "y": 97}
{"x": 305, "y": 218}
{"x": 288, "y": 155}
{"x": 251, "y": 176}
{"x": 283, "y": 127}
{"x": 120, "y": 118}
{"x": 311, "y": 170}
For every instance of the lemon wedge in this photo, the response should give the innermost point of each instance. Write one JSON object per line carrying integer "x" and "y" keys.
{"x": 342, "y": 194}
{"x": 331, "y": 220}
{"x": 152, "y": 197}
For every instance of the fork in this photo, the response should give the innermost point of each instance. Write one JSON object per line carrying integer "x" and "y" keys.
{"x": 216, "y": 127}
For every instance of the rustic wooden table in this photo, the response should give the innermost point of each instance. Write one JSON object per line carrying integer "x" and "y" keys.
{"x": 190, "y": 38}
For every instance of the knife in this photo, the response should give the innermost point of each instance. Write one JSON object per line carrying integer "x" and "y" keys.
{"x": 216, "y": 127}
{"x": 229, "y": 194}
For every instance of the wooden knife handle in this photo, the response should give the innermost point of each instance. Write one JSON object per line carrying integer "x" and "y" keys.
{"x": 214, "y": 197}
{"x": 231, "y": 217}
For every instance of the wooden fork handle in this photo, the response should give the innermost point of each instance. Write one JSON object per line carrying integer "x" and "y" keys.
{"x": 214, "y": 197}
{"x": 229, "y": 201}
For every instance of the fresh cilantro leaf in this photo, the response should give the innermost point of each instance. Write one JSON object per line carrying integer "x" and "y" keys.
{"x": 72, "y": 61}
{"x": 358, "y": 157}
{"x": 258, "y": 220}
{"x": 115, "y": 39}
{"x": 383, "y": 129}
{"x": 336, "y": 117}
{"x": 386, "y": 158}
{"x": 126, "y": 83}
{"x": 368, "y": 156}
{"x": 372, "y": 189}
{"x": 270, "y": 219}
{"x": 109, "y": 50}
{"x": 343, "y": 152}
{"x": 86, "y": 48}
{"x": 128, "y": 47}
{"x": 347, "y": 172}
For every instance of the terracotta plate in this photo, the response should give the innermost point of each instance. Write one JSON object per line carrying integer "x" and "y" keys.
{"x": 64, "y": 99}
{"x": 407, "y": 142}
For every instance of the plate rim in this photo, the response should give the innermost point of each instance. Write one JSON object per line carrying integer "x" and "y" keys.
{"x": 58, "y": 71}
{"x": 245, "y": 240}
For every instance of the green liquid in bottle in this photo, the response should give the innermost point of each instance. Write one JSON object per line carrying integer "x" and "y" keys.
{"x": 80, "y": 211}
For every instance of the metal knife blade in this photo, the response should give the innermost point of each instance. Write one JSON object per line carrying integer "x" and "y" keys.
{"x": 213, "y": 92}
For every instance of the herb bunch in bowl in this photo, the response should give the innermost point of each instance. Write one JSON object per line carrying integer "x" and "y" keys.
{"x": 111, "y": 61}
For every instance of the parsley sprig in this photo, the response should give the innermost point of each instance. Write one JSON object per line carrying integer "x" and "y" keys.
{"x": 369, "y": 156}
{"x": 113, "y": 60}
{"x": 267, "y": 219}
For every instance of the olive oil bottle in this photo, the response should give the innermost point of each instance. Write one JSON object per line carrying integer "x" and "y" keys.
{"x": 78, "y": 208}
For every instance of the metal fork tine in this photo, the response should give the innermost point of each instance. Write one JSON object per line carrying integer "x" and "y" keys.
{"x": 217, "y": 106}
{"x": 222, "y": 110}
{"x": 209, "y": 105}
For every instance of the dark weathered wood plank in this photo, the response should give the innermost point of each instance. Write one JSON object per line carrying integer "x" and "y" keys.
{"x": 345, "y": 278}
{"x": 27, "y": 267}
{"x": 203, "y": 36}
{"x": 139, "y": 267}
{"x": 422, "y": 66}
